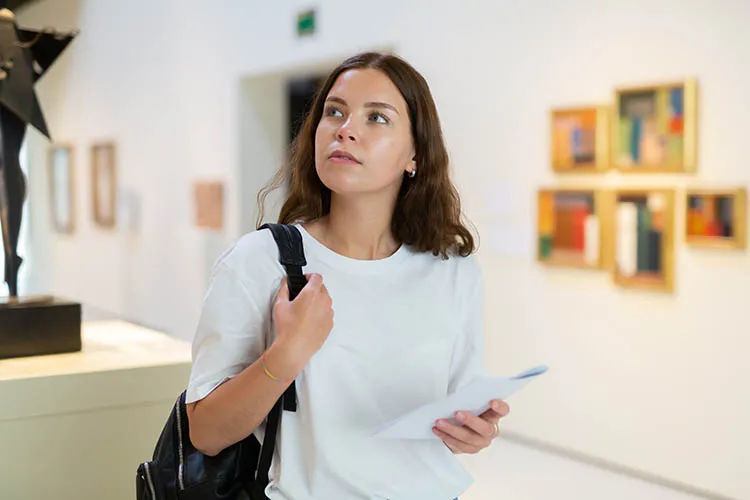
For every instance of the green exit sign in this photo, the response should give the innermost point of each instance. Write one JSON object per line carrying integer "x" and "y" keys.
{"x": 306, "y": 23}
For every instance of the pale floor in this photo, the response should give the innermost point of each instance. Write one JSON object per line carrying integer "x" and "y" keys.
{"x": 511, "y": 471}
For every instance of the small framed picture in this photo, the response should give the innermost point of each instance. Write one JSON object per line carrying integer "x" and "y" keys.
{"x": 569, "y": 228}
{"x": 209, "y": 204}
{"x": 655, "y": 128}
{"x": 716, "y": 218}
{"x": 62, "y": 191}
{"x": 643, "y": 221}
{"x": 104, "y": 183}
{"x": 580, "y": 139}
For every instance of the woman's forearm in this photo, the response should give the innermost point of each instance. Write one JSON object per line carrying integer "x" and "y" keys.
{"x": 235, "y": 409}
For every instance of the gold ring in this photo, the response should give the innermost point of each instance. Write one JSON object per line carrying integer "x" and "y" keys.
{"x": 495, "y": 431}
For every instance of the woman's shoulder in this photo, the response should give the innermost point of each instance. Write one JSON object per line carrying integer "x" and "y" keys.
{"x": 468, "y": 270}
{"x": 251, "y": 252}
{"x": 464, "y": 270}
{"x": 452, "y": 258}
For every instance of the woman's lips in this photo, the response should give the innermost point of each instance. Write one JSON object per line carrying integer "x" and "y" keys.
{"x": 344, "y": 158}
{"x": 343, "y": 161}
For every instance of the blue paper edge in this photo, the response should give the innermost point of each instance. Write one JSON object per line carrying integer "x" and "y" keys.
{"x": 532, "y": 372}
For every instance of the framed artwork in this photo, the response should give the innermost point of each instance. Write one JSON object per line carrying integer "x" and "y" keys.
{"x": 104, "y": 183}
{"x": 643, "y": 222}
{"x": 62, "y": 192}
{"x": 209, "y": 204}
{"x": 569, "y": 228}
{"x": 716, "y": 218}
{"x": 655, "y": 128}
{"x": 580, "y": 139}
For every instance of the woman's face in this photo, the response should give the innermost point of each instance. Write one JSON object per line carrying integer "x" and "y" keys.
{"x": 363, "y": 143}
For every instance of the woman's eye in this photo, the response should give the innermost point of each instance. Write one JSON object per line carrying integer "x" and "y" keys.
{"x": 379, "y": 118}
{"x": 333, "y": 111}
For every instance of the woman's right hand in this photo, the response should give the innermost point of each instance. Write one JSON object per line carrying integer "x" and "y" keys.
{"x": 303, "y": 324}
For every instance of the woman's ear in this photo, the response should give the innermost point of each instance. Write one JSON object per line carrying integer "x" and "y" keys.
{"x": 411, "y": 170}
{"x": 412, "y": 166}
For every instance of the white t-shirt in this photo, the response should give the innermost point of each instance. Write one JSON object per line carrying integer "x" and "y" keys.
{"x": 407, "y": 331}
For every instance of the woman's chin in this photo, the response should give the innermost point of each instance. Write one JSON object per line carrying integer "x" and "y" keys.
{"x": 344, "y": 182}
{"x": 345, "y": 188}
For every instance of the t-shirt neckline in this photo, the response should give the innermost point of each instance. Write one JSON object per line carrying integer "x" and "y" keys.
{"x": 317, "y": 250}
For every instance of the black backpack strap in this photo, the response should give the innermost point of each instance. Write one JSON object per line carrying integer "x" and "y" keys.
{"x": 292, "y": 257}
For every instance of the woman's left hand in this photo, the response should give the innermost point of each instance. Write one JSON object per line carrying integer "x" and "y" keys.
{"x": 476, "y": 433}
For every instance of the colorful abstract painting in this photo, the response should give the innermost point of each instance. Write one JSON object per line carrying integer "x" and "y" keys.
{"x": 643, "y": 238}
{"x": 568, "y": 228}
{"x": 716, "y": 219}
{"x": 710, "y": 216}
{"x": 655, "y": 128}
{"x": 579, "y": 139}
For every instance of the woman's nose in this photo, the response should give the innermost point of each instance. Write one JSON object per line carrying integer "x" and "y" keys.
{"x": 347, "y": 131}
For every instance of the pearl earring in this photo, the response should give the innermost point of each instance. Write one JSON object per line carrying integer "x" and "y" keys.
{"x": 412, "y": 173}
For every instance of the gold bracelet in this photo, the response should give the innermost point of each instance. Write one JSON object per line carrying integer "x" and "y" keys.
{"x": 268, "y": 373}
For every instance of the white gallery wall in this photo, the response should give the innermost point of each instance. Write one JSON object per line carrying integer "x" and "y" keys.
{"x": 649, "y": 381}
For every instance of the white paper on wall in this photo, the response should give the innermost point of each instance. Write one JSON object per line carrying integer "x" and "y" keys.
{"x": 627, "y": 238}
{"x": 129, "y": 207}
{"x": 591, "y": 240}
{"x": 62, "y": 187}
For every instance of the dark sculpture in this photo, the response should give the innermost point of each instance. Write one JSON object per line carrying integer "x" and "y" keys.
{"x": 25, "y": 55}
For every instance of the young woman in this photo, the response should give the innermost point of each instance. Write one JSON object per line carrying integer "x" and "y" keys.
{"x": 370, "y": 191}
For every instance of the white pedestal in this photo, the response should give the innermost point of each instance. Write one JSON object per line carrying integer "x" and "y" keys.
{"x": 76, "y": 426}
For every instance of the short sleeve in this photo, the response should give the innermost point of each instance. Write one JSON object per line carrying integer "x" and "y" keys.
{"x": 468, "y": 354}
{"x": 230, "y": 334}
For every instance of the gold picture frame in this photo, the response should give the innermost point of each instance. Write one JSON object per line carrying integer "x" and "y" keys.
{"x": 655, "y": 128}
{"x": 642, "y": 238}
{"x": 61, "y": 174}
{"x": 570, "y": 229}
{"x": 716, "y": 218}
{"x": 580, "y": 139}
{"x": 104, "y": 183}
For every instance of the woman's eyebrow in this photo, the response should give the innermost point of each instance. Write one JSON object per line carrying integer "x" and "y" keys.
{"x": 381, "y": 105}
{"x": 367, "y": 104}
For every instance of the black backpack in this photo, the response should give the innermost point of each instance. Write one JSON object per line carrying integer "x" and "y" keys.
{"x": 240, "y": 472}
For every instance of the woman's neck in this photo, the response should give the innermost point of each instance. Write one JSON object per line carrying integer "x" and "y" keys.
{"x": 356, "y": 231}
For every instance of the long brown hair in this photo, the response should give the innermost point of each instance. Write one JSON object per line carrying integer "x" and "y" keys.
{"x": 428, "y": 214}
